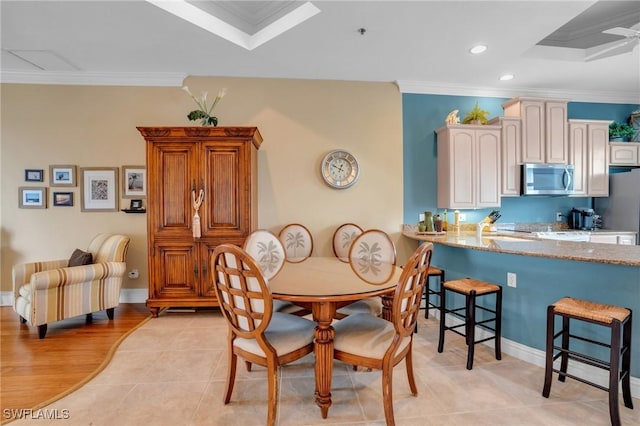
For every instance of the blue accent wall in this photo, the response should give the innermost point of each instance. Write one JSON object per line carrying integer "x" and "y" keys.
{"x": 423, "y": 114}
{"x": 540, "y": 281}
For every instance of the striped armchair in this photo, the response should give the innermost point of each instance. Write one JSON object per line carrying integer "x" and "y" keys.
{"x": 50, "y": 291}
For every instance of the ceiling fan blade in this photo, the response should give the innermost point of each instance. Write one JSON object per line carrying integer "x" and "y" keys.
{"x": 609, "y": 49}
{"x": 625, "y": 32}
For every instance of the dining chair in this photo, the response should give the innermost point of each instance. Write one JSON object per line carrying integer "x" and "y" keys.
{"x": 342, "y": 239}
{"x": 370, "y": 341}
{"x": 267, "y": 250}
{"x": 297, "y": 242}
{"x": 372, "y": 256}
{"x": 256, "y": 333}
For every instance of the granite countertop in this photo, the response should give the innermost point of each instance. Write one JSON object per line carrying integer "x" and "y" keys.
{"x": 528, "y": 245}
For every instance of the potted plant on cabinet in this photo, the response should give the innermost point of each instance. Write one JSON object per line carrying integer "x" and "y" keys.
{"x": 621, "y": 131}
{"x": 476, "y": 116}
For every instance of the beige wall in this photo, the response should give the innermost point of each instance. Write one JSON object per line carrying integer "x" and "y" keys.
{"x": 300, "y": 122}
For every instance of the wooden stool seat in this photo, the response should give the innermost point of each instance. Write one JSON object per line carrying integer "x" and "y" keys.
{"x": 618, "y": 320}
{"x": 467, "y": 285}
{"x": 471, "y": 289}
{"x": 593, "y": 311}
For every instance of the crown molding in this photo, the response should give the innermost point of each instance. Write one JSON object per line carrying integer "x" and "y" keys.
{"x": 431, "y": 88}
{"x": 93, "y": 78}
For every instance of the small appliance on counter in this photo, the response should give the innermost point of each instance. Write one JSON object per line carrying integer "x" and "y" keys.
{"x": 584, "y": 219}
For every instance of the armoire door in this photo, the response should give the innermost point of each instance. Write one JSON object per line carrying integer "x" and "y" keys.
{"x": 173, "y": 176}
{"x": 226, "y": 172}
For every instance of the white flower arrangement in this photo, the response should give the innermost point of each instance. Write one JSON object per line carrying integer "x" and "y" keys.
{"x": 204, "y": 113}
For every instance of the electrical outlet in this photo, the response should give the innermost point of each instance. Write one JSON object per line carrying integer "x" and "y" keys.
{"x": 462, "y": 217}
{"x": 559, "y": 216}
{"x": 511, "y": 279}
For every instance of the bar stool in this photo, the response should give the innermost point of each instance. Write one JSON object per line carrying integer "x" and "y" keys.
{"x": 471, "y": 289}
{"x": 428, "y": 291}
{"x": 618, "y": 320}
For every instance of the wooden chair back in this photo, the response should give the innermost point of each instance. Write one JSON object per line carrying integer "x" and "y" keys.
{"x": 267, "y": 250}
{"x": 297, "y": 242}
{"x": 343, "y": 238}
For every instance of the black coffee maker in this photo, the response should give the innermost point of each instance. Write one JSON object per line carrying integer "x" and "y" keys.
{"x": 583, "y": 219}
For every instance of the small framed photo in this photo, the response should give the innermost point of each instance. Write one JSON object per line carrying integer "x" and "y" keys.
{"x": 99, "y": 192}
{"x": 34, "y": 175}
{"x": 135, "y": 205}
{"x": 63, "y": 199}
{"x": 134, "y": 182}
{"x": 64, "y": 175}
{"x": 32, "y": 198}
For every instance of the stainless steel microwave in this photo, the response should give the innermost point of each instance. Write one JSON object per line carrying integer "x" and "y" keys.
{"x": 547, "y": 179}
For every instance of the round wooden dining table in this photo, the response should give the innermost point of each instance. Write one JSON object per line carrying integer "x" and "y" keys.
{"x": 323, "y": 285}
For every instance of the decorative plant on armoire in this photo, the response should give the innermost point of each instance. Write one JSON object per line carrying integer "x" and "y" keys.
{"x": 203, "y": 113}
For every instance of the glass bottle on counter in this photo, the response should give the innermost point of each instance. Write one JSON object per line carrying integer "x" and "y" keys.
{"x": 437, "y": 223}
{"x": 444, "y": 221}
{"x": 428, "y": 221}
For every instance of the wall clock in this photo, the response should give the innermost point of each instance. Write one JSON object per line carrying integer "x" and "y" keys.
{"x": 340, "y": 169}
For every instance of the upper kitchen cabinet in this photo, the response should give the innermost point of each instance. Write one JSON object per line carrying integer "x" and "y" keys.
{"x": 544, "y": 128}
{"x": 468, "y": 166}
{"x": 624, "y": 154}
{"x": 510, "y": 142}
{"x": 589, "y": 154}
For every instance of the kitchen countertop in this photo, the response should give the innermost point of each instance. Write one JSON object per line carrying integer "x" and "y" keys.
{"x": 527, "y": 245}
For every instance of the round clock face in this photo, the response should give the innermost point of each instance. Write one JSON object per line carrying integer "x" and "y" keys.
{"x": 340, "y": 169}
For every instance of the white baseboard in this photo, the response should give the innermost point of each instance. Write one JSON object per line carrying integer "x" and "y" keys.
{"x": 538, "y": 357}
{"x": 514, "y": 349}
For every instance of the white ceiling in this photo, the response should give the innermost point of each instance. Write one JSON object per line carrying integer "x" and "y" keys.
{"x": 422, "y": 45}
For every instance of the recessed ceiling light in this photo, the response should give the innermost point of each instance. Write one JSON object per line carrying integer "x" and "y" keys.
{"x": 507, "y": 77}
{"x": 478, "y": 49}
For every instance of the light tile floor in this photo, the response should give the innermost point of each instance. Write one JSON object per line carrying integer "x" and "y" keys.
{"x": 172, "y": 371}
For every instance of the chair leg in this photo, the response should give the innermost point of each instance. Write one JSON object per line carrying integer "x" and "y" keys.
{"x": 273, "y": 376}
{"x": 110, "y": 313}
{"x": 471, "y": 328}
{"x": 498, "y": 342}
{"x": 442, "y": 318}
{"x": 387, "y": 393}
{"x": 614, "y": 373}
{"x": 248, "y": 365}
{"x": 42, "y": 331}
{"x": 548, "y": 369}
{"x": 89, "y": 318}
{"x": 427, "y": 296}
{"x": 564, "y": 358}
{"x": 231, "y": 377}
{"x": 409, "y": 364}
{"x": 626, "y": 363}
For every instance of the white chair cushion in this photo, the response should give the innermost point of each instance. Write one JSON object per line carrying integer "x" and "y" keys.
{"x": 365, "y": 335}
{"x": 285, "y": 333}
{"x": 372, "y": 305}
{"x": 285, "y": 306}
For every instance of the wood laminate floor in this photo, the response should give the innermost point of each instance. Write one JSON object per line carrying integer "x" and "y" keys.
{"x": 33, "y": 370}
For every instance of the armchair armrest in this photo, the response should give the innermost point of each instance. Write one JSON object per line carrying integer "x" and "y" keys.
{"x": 77, "y": 275}
{"x": 21, "y": 273}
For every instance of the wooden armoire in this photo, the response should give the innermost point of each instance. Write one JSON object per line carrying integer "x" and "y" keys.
{"x": 182, "y": 163}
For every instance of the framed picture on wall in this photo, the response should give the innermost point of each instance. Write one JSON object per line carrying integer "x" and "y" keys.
{"x": 33, "y": 175}
{"x": 32, "y": 198}
{"x": 99, "y": 192}
{"x": 62, "y": 175}
{"x": 63, "y": 199}
{"x": 134, "y": 182}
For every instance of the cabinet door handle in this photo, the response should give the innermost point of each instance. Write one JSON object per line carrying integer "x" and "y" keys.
{"x": 195, "y": 269}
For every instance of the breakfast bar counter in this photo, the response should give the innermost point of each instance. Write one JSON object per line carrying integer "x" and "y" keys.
{"x": 535, "y": 273}
{"x": 527, "y": 245}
